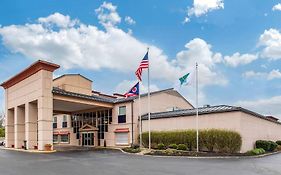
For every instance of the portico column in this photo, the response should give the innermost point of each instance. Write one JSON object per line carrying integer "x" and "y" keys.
{"x": 19, "y": 126}
{"x": 9, "y": 128}
{"x": 45, "y": 123}
{"x": 31, "y": 125}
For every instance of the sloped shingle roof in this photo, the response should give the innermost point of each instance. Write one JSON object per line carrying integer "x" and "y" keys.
{"x": 203, "y": 110}
{"x": 59, "y": 91}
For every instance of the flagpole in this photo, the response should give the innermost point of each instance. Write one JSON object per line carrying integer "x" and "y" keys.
{"x": 148, "y": 84}
{"x": 197, "y": 129}
{"x": 140, "y": 125}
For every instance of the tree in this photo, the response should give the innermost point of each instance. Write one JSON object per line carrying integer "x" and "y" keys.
{"x": 2, "y": 129}
{"x": 2, "y": 118}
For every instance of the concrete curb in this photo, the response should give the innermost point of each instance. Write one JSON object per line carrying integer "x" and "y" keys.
{"x": 201, "y": 157}
{"x": 28, "y": 151}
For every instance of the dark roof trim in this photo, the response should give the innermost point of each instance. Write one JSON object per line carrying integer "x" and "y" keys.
{"x": 59, "y": 91}
{"x": 123, "y": 100}
{"x": 72, "y": 75}
{"x": 202, "y": 111}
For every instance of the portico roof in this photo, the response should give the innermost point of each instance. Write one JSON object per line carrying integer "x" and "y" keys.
{"x": 35, "y": 67}
{"x": 89, "y": 97}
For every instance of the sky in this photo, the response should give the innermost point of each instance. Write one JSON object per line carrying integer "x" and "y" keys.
{"x": 237, "y": 45}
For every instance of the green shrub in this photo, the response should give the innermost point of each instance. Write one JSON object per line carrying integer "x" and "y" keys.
{"x": 266, "y": 145}
{"x": 182, "y": 147}
{"x": 212, "y": 139}
{"x": 278, "y": 148}
{"x": 263, "y": 144}
{"x": 256, "y": 151}
{"x": 135, "y": 146}
{"x": 278, "y": 142}
{"x": 173, "y": 146}
{"x": 131, "y": 150}
{"x": 161, "y": 146}
{"x": 208, "y": 139}
{"x": 233, "y": 141}
{"x": 272, "y": 146}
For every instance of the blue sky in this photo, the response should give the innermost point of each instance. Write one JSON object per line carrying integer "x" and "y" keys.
{"x": 236, "y": 44}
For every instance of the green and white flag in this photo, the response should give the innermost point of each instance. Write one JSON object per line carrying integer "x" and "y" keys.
{"x": 185, "y": 80}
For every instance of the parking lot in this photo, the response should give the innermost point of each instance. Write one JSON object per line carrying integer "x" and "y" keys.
{"x": 108, "y": 162}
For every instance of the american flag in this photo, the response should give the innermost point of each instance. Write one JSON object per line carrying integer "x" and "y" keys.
{"x": 143, "y": 65}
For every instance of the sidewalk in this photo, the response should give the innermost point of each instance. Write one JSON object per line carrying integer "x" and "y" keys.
{"x": 28, "y": 151}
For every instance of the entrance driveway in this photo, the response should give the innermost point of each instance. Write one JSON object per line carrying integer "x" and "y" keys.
{"x": 117, "y": 163}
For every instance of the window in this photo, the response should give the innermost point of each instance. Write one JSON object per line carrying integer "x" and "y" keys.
{"x": 55, "y": 138}
{"x": 64, "y": 121}
{"x": 64, "y": 138}
{"x": 122, "y": 114}
{"x": 55, "y": 122}
{"x": 122, "y": 138}
{"x": 122, "y": 110}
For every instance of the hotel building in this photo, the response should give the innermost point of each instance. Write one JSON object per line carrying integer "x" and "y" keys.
{"x": 67, "y": 111}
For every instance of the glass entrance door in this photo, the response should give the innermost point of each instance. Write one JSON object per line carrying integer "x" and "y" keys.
{"x": 87, "y": 139}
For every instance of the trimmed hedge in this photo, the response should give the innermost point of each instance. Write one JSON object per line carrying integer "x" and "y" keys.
{"x": 268, "y": 146}
{"x": 210, "y": 140}
{"x": 278, "y": 142}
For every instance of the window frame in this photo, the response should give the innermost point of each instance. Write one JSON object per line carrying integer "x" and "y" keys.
{"x": 57, "y": 140}
{"x": 64, "y": 121}
{"x": 55, "y": 122}
{"x": 68, "y": 138}
{"x": 122, "y": 118}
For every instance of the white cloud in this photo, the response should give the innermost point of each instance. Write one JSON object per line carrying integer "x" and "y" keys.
{"x": 186, "y": 20}
{"x": 59, "y": 20}
{"x": 270, "y": 40}
{"x": 130, "y": 20}
{"x": 197, "y": 50}
{"x": 268, "y": 106}
{"x": 125, "y": 86}
{"x": 87, "y": 47}
{"x": 277, "y": 7}
{"x": 237, "y": 59}
{"x": 202, "y": 7}
{"x": 274, "y": 74}
{"x": 108, "y": 15}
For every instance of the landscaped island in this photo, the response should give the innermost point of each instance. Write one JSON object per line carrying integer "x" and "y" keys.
{"x": 212, "y": 142}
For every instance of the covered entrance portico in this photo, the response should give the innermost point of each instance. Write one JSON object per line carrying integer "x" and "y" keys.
{"x": 89, "y": 117}
{"x": 32, "y": 97}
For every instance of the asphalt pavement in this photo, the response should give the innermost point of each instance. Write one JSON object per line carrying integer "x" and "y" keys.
{"x": 107, "y": 162}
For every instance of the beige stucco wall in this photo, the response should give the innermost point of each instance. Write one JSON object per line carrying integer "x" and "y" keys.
{"x": 74, "y": 83}
{"x": 161, "y": 102}
{"x": 38, "y": 89}
{"x": 251, "y": 128}
{"x": 110, "y": 135}
{"x": 72, "y": 135}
